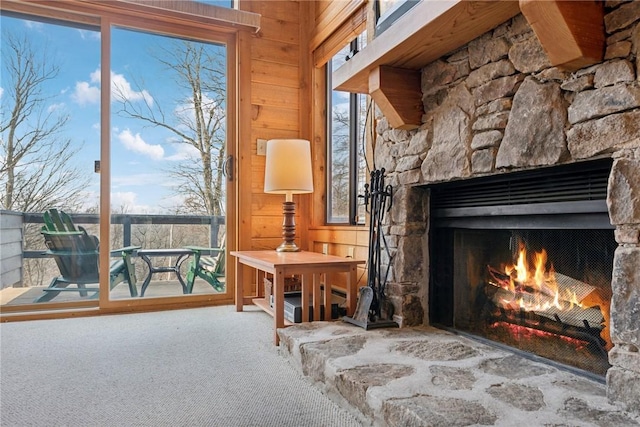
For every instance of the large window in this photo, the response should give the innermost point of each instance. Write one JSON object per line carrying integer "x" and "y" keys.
{"x": 347, "y": 168}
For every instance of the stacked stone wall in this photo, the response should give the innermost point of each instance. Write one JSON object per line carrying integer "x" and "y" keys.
{"x": 497, "y": 105}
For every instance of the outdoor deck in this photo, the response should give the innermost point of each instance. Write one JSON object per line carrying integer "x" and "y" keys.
{"x": 157, "y": 288}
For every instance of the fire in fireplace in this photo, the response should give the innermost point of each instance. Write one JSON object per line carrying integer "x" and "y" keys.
{"x": 535, "y": 274}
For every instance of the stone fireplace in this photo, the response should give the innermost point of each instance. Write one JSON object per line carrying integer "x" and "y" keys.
{"x": 495, "y": 108}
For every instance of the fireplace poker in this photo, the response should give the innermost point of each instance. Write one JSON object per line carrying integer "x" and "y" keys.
{"x": 369, "y": 313}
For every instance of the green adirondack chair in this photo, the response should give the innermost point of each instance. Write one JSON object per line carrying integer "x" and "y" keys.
{"x": 76, "y": 255}
{"x": 207, "y": 267}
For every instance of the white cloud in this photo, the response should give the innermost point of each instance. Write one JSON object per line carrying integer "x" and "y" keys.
{"x": 1, "y": 92}
{"x": 55, "y": 107}
{"x": 183, "y": 152}
{"x": 86, "y": 94}
{"x": 136, "y": 179}
{"x": 125, "y": 201}
{"x": 90, "y": 200}
{"x": 121, "y": 90}
{"x": 136, "y": 144}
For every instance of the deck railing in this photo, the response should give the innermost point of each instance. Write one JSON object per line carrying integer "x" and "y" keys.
{"x": 127, "y": 221}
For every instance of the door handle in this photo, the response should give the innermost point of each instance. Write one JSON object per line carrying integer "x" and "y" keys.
{"x": 227, "y": 168}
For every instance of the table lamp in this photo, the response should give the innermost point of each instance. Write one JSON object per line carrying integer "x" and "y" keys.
{"x": 288, "y": 171}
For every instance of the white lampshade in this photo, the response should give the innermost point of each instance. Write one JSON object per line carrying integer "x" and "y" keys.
{"x": 288, "y": 167}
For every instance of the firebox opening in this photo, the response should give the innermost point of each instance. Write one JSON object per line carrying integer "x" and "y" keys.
{"x": 528, "y": 266}
{"x": 546, "y": 292}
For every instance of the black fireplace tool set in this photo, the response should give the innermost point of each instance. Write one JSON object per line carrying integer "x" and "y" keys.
{"x": 373, "y": 310}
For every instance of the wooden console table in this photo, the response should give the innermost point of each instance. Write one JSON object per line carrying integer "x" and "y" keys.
{"x": 310, "y": 266}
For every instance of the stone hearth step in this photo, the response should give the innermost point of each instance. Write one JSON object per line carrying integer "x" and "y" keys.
{"x": 429, "y": 377}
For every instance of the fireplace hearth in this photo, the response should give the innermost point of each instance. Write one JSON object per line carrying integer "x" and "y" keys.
{"x": 526, "y": 260}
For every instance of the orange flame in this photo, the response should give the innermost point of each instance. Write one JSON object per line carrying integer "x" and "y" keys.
{"x": 538, "y": 284}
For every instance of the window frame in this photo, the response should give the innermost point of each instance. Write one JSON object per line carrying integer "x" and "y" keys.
{"x": 356, "y": 135}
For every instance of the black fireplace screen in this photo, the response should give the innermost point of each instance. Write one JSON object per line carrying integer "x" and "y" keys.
{"x": 526, "y": 259}
{"x": 546, "y": 292}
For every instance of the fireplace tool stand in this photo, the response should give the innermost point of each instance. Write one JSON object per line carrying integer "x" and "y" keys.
{"x": 373, "y": 310}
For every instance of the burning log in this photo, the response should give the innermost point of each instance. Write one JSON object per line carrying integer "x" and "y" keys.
{"x": 554, "y": 296}
{"x": 545, "y": 306}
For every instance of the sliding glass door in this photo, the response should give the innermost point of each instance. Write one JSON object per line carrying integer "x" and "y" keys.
{"x": 139, "y": 175}
{"x": 49, "y": 145}
{"x": 168, "y": 152}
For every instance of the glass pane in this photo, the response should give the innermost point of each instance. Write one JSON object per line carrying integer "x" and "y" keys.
{"x": 50, "y": 141}
{"x": 220, "y": 3}
{"x": 362, "y": 173}
{"x": 168, "y": 142}
{"x": 338, "y": 188}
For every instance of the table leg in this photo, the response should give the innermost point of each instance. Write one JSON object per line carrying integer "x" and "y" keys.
{"x": 278, "y": 303}
{"x": 148, "y": 278}
{"x": 352, "y": 283}
{"x": 317, "y": 299}
{"x": 178, "y": 263}
{"x": 260, "y": 284}
{"x": 239, "y": 286}
{"x": 327, "y": 299}
{"x": 305, "y": 297}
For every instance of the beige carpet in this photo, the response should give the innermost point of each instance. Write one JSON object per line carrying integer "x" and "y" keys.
{"x": 197, "y": 367}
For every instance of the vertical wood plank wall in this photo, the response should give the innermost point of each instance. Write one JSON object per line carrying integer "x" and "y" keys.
{"x": 286, "y": 99}
{"x": 340, "y": 239}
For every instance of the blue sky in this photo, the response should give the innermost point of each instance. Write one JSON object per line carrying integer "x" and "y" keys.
{"x": 140, "y": 154}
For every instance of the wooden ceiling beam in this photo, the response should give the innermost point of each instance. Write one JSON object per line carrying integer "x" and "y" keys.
{"x": 571, "y": 32}
{"x": 397, "y": 92}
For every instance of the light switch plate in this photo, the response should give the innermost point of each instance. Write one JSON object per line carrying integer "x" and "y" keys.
{"x": 262, "y": 147}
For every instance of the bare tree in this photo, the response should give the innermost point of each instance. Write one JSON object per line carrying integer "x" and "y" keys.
{"x": 340, "y": 167}
{"x": 36, "y": 171}
{"x": 198, "y": 120}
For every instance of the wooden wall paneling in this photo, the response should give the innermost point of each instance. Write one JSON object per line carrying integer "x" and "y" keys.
{"x": 274, "y": 108}
{"x": 277, "y": 96}
{"x": 279, "y": 29}
{"x": 259, "y": 244}
{"x": 285, "y": 10}
{"x": 347, "y": 32}
{"x": 331, "y": 18}
{"x": 268, "y": 133}
{"x": 342, "y": 235}
{"x": 275, "y": 51}
{"x": 266, "y": 206}
{"x": 303, "y": 205}
{"x": 271, "y": 73}
{"x": 320, "y": 6}
{"x": 267, "y": 117}
{"x": 269, "y": 227}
